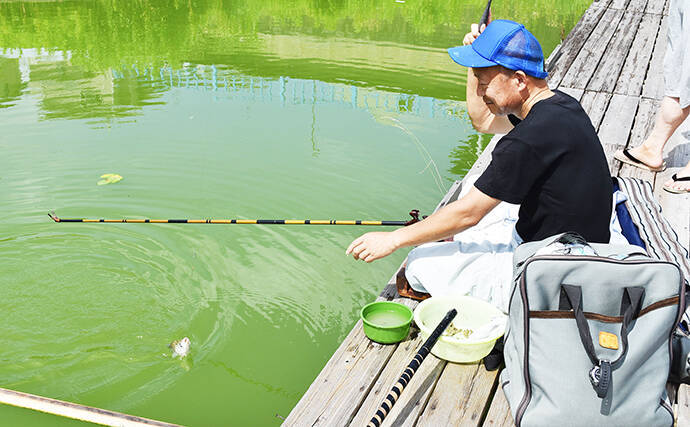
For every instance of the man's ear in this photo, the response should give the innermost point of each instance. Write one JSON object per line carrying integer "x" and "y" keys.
{"x": 521, "y": 79}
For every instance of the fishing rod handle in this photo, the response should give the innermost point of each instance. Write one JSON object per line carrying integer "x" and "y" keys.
{"x": 429, "y": 343}
{"x": 485, "y": 16}
{"x": 411, "y": 369}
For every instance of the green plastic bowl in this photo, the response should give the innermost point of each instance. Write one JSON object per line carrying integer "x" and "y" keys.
{"x": 386, "y": 322}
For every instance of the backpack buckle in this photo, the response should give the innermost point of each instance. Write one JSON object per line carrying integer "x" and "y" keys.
{"x": 600, "y": 377}
{"x": 594, "y": 375}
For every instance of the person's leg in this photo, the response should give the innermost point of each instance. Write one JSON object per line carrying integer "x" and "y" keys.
{"x": 681, "y": 82}
{"x": 680, "y": 185}
{"x": 676, "y": 74}
{"x": 669, "y": 117}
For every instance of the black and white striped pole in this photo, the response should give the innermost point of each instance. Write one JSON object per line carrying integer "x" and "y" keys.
{"x": 407, "y": 374}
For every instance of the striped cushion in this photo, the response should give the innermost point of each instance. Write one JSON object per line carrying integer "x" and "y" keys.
{"x": 655, "y": 231}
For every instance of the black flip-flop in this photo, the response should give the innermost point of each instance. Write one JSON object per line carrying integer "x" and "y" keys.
{"x": 676, "y": 179}
{"x": 625, "y": 157}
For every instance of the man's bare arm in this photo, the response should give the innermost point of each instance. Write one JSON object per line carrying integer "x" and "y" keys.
{"x": 451, "y": 219}
{"x": 483, "y": 120}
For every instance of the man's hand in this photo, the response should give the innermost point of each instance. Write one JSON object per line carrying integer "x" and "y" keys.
{"x": 473, "y": 34}
{"x": 451, "y": 219}
{"x": 372, "y": 246}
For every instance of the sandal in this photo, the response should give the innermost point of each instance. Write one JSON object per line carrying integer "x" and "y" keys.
{"x": 624, "y": 156}
{"x": 676, "y": 179}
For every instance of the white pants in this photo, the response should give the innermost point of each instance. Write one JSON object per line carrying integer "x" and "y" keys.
{"x": 479, "y": 262}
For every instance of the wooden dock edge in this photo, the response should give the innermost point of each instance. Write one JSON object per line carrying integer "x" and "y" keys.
{"x": 621, "y": 97}
{"x": 356, "y": 365}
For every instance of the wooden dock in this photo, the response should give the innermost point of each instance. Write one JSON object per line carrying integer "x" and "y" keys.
{"x": 612, "y": 62}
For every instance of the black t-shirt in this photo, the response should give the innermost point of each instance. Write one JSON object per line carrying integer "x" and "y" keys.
{"x": 554, "y": 166}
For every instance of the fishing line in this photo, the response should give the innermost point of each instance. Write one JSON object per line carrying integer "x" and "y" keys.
{"x": 423, "y": 152}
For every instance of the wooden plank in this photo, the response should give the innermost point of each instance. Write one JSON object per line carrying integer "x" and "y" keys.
{"x": 616, "y": 125}
{"x": 683, "y": 412}
{"x": 408, "y": 410}
{"x": 344, "y": 383}
{"x": 654, "y": 82}
{"x": 460, "y": 397}
{"x": 573, "y": 43}
{"x": 595, "y": 104}
{"x": 618, "y": 120}
{"x": 619, "y": 4}
{"x": 451, "y": 195}
{"x": 359, "y": 375}
{"x": 643, "y": 124}
{"x": 676, "y": 206}
{"x": 499, "y": 414}
{"x": 413, "y": 398}
{"x": 656, "y": 6}
{"x": 638, "y": 6}
{"x": 633, "y": 73}
{"x": 554, "y": 56}
{"x": 608, "y": 70}
{"x": 644, "y": 121}
{"x": 337, "y": 393}
{"x": 600, "y": 3}
{"x": 575, "y": 93}
{"x": 628, "y": 171}
{"x": 581, "y": 70}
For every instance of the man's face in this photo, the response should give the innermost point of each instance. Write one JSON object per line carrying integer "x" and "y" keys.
{"x": 497, "y": 88}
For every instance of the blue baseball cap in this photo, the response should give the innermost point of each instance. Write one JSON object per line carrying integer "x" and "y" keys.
{"x": 505, "y": 43}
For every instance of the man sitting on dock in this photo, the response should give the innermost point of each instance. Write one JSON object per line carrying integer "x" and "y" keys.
{"x": 549, "y": 161}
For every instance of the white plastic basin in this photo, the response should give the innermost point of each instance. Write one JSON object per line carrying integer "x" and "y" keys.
{"x": 472, "y": 314}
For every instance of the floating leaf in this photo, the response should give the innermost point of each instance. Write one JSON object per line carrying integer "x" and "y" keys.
{"x": 109, "y": 178}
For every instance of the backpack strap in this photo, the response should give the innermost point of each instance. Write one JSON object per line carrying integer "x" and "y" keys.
{"x": 631, "y": 304}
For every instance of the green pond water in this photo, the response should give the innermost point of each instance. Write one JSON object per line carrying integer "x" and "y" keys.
{"x": 340, "y": 109}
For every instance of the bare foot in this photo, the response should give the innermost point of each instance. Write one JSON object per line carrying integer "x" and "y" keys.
{"x": 649, "y": 157}
{"x": 680, "y": 186}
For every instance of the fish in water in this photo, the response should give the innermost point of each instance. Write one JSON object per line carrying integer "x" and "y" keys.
{"x": 180, "y": 347}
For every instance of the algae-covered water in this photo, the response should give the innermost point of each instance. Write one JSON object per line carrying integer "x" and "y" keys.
{"x": 340, "y": 109}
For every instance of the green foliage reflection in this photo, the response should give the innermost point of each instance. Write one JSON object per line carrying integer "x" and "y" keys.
{"x": 103, "y": 33}
{"x": 466, "y": 153}
{"x": 391, "y": 46}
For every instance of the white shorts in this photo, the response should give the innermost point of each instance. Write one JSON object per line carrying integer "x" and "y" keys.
{"x": 677, "y": 56}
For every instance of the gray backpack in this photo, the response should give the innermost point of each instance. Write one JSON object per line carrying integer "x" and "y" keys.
{"x": 589, "y": 337}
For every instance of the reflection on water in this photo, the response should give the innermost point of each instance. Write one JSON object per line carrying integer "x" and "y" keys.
{"x": 11, "y": 82}
{"x": 464, "y": 155}
{"x": 395, "y": 45}
{"x": 67, "y": 92}
{"x": 217, "y": 108}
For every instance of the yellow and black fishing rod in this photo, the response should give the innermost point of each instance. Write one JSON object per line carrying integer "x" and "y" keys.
{"x": 413, "y": 213}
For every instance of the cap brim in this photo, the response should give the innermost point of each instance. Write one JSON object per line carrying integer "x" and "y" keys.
{"x": 468, "y": 57}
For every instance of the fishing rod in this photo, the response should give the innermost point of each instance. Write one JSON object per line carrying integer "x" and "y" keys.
{"x": 76, "y": 411}
{"x": 485, "y": 16}
{"x": 413, "y": 213}
{"x": 407, "y": 374}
